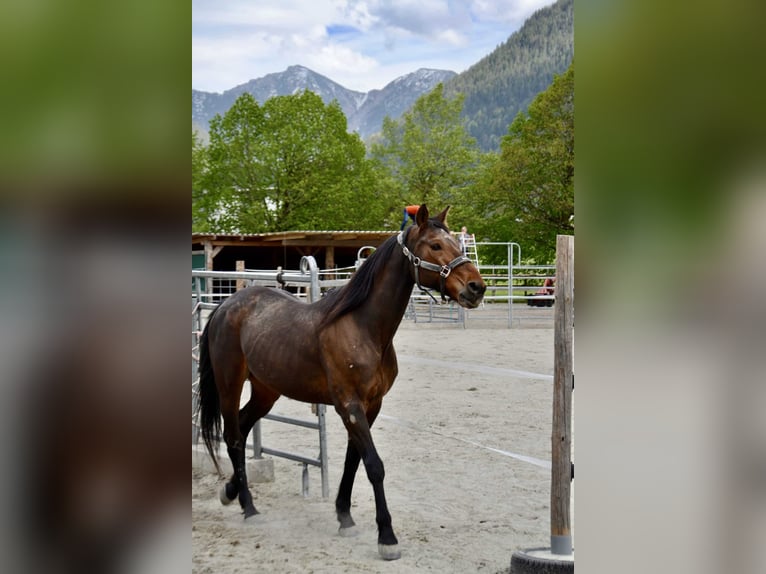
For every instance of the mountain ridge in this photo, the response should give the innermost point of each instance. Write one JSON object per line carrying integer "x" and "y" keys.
{"x": 495, "y": 89}
{"x": 364, "y": 110}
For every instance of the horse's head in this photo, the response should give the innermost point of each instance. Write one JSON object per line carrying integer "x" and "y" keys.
{"x": 438, "y": 261}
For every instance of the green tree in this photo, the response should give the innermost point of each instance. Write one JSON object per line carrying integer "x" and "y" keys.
{"x": 203, "y": 201}
{"x": 290, "y": 164}
{"x": 530, "y": 191}
{"x": 428, "y": 153}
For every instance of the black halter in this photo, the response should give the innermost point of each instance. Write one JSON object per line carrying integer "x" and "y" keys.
{"x": 442, "y": 270}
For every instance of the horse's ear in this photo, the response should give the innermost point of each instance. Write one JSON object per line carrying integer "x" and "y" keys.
{"x": 422, "y": 217}
{"x": 443, "y": 215}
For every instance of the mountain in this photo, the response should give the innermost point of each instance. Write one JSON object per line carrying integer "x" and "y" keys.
{"x": 506, "y": 81}
{"x": 395, "y": 99}
{"x": 496, "y": 88}
{"x": 364, "y": 111}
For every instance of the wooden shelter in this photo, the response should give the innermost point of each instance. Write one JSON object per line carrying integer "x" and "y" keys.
{"x": 331, "y": 249}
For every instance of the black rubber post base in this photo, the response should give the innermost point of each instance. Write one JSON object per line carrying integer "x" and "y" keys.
{"x": 530, "y": 562}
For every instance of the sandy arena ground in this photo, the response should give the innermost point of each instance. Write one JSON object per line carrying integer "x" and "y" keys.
{"x": 465, "y": 438}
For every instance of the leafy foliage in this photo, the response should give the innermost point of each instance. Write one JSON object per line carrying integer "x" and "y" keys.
{"x": 289, "y": 164}
{"x": 200, "y": 197}
{"x": 428, "y": 153}
{"x": 527, "y": 191}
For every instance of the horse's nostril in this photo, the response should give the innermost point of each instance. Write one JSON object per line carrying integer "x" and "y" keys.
{"x": 476, "y": 288}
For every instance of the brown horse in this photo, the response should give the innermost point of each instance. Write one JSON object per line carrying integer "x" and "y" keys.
{"x": 337, "y": 351}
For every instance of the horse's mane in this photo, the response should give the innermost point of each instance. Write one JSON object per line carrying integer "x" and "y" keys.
{"x": 358, "y": 289}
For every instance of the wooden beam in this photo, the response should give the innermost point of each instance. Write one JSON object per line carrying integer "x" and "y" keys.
{"x": 229, "y": 243}
{"x": 210, "y": 253}
{"x": 287, "y": 236}
{"x": 356, "y": 242}
{"x": 561, "y": 435}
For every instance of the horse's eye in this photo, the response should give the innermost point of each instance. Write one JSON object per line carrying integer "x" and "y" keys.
{"x": 436, "y": 246}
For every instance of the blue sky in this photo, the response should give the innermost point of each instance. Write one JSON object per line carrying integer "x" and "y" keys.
{"x": 361, "y": 44}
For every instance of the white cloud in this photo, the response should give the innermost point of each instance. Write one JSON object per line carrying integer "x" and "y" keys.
{"x": 424, "y": 17}
{"x": 372, "y": 41}
{"x": 274, "y": 15}
{"x": 452, "y": 37}
{"x": 338, "y": 59}
{"x": 511, "y": 11}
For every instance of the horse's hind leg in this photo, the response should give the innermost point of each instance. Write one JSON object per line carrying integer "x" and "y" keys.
{"x": 237, "y": 486}
{"x": 260, "y": 402}
{"x": 231, "y": 379}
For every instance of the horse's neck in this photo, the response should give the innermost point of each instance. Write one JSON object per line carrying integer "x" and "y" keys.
{"x": 383, "y": 310}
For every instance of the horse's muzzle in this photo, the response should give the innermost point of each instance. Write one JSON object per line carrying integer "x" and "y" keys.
{"x": 472, "y": 294}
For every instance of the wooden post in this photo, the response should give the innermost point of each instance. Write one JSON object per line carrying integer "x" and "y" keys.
{"x": 210, "y": 253}
{"x": 240, "y": 266}
{"x": 561, "y": 436}
{"x": 329, "y": 257}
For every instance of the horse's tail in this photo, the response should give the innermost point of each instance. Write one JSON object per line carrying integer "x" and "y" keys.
{"x": 209, "y": 401}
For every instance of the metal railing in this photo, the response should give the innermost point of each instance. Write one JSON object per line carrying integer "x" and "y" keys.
{"x": 512, "y": 282}
{"x": 423, "y": 309}
{"x": 259, "y": 450}
{"x": 208, "y": 289}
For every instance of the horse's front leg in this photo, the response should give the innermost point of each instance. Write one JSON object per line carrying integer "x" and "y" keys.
{"x": 343, "y": 500}
{"x": 356, "y": 422}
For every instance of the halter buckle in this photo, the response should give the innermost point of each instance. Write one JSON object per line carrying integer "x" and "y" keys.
{"x": 445, "y": 271}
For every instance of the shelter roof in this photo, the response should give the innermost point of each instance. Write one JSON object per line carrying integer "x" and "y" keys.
{"x": 298, "y": 238}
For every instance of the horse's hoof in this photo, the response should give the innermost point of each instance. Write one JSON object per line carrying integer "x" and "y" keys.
{"x": 349, "y": 531}
{"x": 389, "y": 551}
{"x": 248, "y": 512}
{"x": 225, "y": 500}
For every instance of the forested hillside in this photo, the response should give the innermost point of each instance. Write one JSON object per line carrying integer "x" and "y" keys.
{"x": 502, "y": 84}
